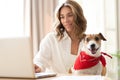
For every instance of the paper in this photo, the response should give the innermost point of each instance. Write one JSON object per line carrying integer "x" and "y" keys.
{"x": 97, "y": 77}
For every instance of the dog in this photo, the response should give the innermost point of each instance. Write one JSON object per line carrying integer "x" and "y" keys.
{"x": 91, "y": 61}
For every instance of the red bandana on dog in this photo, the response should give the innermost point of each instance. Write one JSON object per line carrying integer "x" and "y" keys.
{"x": 84, "y": 61}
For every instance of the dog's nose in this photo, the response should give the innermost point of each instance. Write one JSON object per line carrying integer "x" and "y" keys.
{"x": 92, "y": 46}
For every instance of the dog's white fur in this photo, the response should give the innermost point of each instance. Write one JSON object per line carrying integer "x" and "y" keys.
{"x": 93, "y": 39}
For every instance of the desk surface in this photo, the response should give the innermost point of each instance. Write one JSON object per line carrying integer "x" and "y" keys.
{"x": 50, "y": 78}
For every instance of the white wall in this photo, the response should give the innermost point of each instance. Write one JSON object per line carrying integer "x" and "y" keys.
{"x": 118, "y": 8}
{"x": 111, "y": 46}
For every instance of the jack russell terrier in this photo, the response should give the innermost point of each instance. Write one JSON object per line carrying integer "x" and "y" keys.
{"x": 91, "y": 61}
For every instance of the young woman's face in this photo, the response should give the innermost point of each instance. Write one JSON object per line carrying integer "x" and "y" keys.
{"x": 66, "y": 18}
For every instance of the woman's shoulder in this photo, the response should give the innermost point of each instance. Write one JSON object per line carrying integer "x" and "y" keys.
{"x": 51, "y": 35}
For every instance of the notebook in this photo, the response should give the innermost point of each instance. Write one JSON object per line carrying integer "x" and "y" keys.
{"x": 16, "y": 59}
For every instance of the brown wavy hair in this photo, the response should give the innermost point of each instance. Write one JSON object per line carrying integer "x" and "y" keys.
{"x": 80, "y": 22}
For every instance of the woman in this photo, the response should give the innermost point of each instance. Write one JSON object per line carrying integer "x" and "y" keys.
{"x": 59, "y": 48}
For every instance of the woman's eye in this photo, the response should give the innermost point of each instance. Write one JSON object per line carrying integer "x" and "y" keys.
{"x": 61, "y": 17}
{"x": 70, "y": 15}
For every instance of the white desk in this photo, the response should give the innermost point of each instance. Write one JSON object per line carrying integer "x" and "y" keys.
{"x": 58, "y": 77}
{"x": 69, "y": 77}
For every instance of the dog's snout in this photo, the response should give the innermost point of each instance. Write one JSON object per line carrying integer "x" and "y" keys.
{"x": 92, "y": 46}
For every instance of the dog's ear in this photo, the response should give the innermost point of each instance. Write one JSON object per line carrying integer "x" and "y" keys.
{"x": 84, "y": 35}
{"x": 102, "y": 37}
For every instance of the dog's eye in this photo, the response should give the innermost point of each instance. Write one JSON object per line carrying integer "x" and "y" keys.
{"x": 87, "y": 39}
{"x": 97, "y": 38}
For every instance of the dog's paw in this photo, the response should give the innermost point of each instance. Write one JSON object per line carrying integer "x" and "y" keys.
{"x": 103, "y": 71}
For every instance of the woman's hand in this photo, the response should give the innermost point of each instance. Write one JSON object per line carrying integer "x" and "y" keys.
{"x": 37, "y": 69}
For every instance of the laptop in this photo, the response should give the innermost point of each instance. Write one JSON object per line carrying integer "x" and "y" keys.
{"x": 16, "y": 59}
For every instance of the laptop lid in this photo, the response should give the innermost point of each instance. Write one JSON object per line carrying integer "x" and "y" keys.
{"x": 16, "y": 57}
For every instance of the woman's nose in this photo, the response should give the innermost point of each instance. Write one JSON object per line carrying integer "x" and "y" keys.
{"x": 66, "y": 19}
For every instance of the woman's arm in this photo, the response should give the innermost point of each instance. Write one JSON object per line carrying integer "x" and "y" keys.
{"x": 42, "y": 59}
